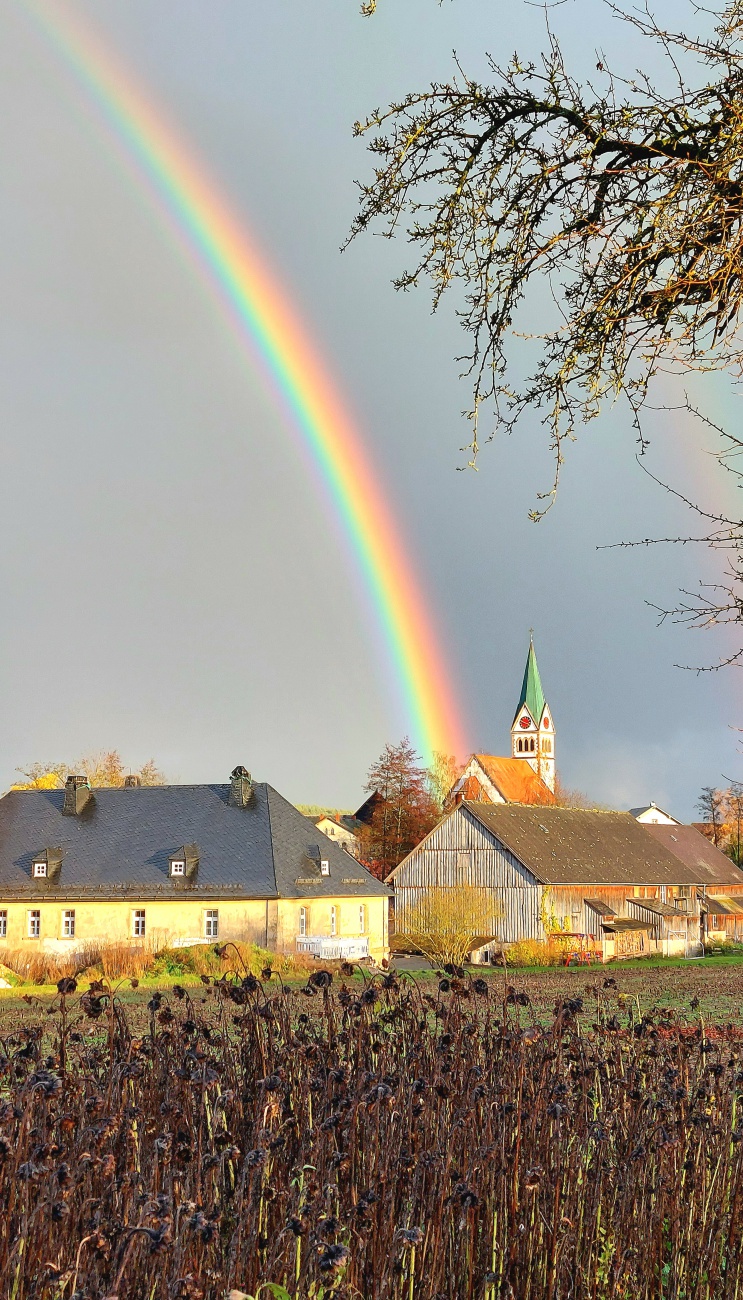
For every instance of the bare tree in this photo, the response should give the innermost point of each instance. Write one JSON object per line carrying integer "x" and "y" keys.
{"x": 625, "y": 200}
{"x": 444, "y": 772}
{"x": 733, "y": 815}
{"x": 446, "y": 921}
{"x": 710, "y": 804}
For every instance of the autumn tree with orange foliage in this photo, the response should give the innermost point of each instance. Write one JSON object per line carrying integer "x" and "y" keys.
{"x": 404, "y": 810}
{"x": 103, "y": 769}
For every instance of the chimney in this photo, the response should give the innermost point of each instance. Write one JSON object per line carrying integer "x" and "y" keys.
{"x": 241, "y": 787}
{"x": 77, "y": 796}
{"x": 131, "y": 782}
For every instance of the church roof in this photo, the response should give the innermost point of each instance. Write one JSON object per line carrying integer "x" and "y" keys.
{"x": 532, "y": 694}
{"x": 514, "y": 779}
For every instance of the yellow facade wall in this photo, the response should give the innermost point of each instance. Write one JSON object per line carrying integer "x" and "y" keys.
{"x": 349, "y": 922}
{"x": 272, "y": 923}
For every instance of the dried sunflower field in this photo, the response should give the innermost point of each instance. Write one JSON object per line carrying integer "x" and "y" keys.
{"x": 373, "y": 1138}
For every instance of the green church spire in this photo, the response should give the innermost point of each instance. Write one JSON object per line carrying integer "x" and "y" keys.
{"x": 532, "y": 694}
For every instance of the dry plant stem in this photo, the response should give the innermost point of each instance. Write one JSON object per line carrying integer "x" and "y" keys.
{"x": 254, "y": 1133}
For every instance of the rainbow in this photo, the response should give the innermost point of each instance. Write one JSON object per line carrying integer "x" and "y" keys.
{"x": 270, "y": 333}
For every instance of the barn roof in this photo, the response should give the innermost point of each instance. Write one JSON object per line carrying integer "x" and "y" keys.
{"x": 564, "y": 846}
{"x": 122, "y": 843}
{"x": 721, "y": 905}
{"x": 709, "y": 865}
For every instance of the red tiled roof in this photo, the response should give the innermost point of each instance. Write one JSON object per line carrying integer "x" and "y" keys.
{"x": 515, "y": 779}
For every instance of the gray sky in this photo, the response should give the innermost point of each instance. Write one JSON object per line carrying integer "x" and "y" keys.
{"x": 172, "y": 583}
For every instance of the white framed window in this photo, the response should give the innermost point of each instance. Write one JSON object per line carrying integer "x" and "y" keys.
{"x": 68, "y": 924}
{"x": 178, "y": 868}
{"x": 333, "y": 922}
{"x": 302, "y": 921}
{"x": 34, "y": 925}
{"x": 3, "y": 925}
{"x": 39, "y": 869}
{"x": 324, "y": 867}
{"x": 362, "y": 919}
{"x": 211, "y": 924}
{"x": 139, "y": 924}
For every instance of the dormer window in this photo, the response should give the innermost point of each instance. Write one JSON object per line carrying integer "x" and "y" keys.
{"x": 324, "y": 867}
{"x": 183, "y": 863}
{"x": 39, "y": 870}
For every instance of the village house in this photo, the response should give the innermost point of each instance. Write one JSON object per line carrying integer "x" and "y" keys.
{"x": 177, "y": 865}
{"x": 343, "y": 828}
{"x": 651, "y": 815}
{"x": 615, "y": 885}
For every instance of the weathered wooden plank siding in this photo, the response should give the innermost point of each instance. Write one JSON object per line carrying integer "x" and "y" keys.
{"x": 565, "y": 907}
{"x": 460, "y": 852}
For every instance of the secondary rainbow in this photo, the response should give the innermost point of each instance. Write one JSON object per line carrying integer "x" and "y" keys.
{"x": 270, "y": 331}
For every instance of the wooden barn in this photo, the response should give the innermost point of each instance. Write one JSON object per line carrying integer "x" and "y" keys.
{"x": 531, "y": 871}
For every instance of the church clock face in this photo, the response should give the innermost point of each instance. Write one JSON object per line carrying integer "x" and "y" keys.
{"x": 525, "y": 722}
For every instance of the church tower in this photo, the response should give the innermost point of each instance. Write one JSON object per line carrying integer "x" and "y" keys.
{"x": 533, "y": 731}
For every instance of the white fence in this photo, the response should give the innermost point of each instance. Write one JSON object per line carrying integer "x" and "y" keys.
{"x": 331, "y": 949}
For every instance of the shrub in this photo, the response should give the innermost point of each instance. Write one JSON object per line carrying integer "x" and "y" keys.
{"x": 34, "y": 967}
{"x": 539, "y": 952}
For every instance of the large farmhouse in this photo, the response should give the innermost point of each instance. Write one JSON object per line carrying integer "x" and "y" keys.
{"x": 603, "y": 877}
{"x": 174, "y": 865}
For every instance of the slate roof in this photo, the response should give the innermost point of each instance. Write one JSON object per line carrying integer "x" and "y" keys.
{"x": 121, "y": 844}
{"x": 515, "y": 779}
{"x": 566, "y": 846}
{"x": 532, "y": 694}
{"x": 709, "y": 865}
